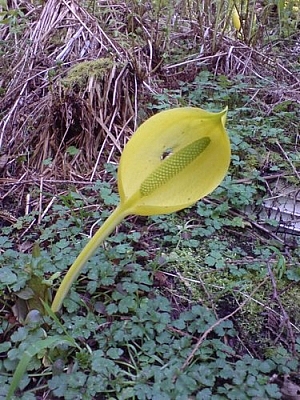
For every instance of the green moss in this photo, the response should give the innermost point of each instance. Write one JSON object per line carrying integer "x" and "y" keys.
{"x": 80, "y": 73}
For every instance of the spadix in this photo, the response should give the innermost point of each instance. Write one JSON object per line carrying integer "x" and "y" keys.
{"x": 173, "y": 159}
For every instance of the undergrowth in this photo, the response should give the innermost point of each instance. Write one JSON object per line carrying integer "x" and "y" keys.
{"x": 201, "y": 304}
{"x": 157, "y": 313}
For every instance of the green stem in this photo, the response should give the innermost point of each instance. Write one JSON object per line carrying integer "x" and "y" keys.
{"x": 103, "y": 232}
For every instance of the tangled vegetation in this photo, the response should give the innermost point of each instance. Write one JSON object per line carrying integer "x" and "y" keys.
{"x": 201, "y": 304}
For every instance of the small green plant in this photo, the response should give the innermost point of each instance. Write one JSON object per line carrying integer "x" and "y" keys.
{"x": 12, "y": 17}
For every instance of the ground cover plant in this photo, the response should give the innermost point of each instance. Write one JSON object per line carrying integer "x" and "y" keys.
{"x": 200, "y": 304}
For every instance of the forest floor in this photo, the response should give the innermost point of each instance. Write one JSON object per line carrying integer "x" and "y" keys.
{"x": 199, "y": 304}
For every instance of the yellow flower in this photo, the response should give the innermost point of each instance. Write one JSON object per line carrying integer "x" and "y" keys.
{"x": 173, "y": 159}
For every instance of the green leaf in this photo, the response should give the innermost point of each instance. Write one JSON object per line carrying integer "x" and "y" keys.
{"x": 7, "y": 277}
{"x": 114, "y": 353}
{"x": 72, "y": 150}
{"x": 266, "y": 366}
{"x": 33, "y": 350}
{"x": 4, "y": 347}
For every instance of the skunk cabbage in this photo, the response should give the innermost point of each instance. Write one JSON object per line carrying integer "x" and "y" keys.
{"x": 173, "y": 159}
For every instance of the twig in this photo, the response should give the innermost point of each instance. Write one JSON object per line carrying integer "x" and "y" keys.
{"x": 264, "y": 305}
{"x": 217, "y": 323}
{"x": 288, "y": 160}
{"x": 285, "y": 314}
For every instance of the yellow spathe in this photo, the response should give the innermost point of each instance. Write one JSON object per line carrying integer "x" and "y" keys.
{"x": 170, "y": 132}
{"x": 236, "y": 19}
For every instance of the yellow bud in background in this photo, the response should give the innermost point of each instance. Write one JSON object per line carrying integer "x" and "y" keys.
{"x": 236, "y": 19}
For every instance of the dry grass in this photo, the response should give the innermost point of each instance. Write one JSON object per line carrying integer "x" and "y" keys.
{"x": 43, "y": 117}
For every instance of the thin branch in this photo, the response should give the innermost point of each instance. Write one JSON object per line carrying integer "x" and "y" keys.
{"x": 217, "y": 323}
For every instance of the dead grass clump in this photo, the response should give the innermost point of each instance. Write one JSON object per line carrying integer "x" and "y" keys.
{"x": 70, "y": 85}
{"x": 92, "y": 109}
